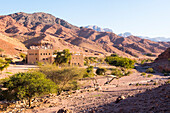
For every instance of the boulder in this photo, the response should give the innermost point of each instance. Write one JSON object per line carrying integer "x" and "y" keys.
{"x": 119, "y": 99}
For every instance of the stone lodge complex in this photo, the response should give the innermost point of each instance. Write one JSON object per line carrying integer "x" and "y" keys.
{"x": 45, "y": 54}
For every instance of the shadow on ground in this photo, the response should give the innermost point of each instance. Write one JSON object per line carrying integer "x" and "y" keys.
{"x": 156, "y": 100}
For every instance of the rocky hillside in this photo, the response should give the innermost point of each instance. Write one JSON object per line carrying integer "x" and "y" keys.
{"x": 11, "y": 47}
{"x": 162, "y": 63}
{"x": 43, "y": 28}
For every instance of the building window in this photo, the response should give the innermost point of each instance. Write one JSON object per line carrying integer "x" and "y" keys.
{"x": 43, "y": 58}
{"x": 46, "y": 58}
{"x": 35, "y": 53}
{"x": 31, "y": 53}
{"x": 44, "y": 53}
{"x": 36, "y": 58}
{"x": 49, "y": 53}
{"x": 41, "y": 53}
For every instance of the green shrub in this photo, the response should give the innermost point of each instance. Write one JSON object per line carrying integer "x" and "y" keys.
{"x": 128, "y": 73}
{"x": 101, "y": 71}
{"x": 23, "y": 56}
{"x": 117, "y": 72}
{"x": 148, "y": 54}
{"x": 66, "y": 78}
{"x": 3, "y": 64}
{"x": 89, "y": 72}
{"x": 150, "y": 70}
{"x": 143, "y": 74}
{"x": 150, "y": 75}
{"x": 143, "y": 61}
{"x": 120, "y": 61}
{"x": 166, "y": 74}
{"x": 27, "y": 85}
{"x": 9, "y": 72}
{"x": 137, "y": 84}
{"x": 114, "y": 55}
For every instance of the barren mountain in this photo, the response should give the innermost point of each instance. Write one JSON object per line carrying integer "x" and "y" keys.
{"x": 43, "y": 28}
{"x": 32, "y": 20}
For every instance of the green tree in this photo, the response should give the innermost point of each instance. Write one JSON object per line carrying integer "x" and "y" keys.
{"x": 28, "y": 85}
{"x": 101, "y": 71}
{"x": 63, "y": 57}
{"x": 3, "y": 64}
{"x": 23, "y": 56}
{"x": 66, "y": 78}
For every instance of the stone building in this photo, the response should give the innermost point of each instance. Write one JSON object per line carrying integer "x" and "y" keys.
{"x": 77, "y": 59}
{"x": 39, "y": 55}
{"x": 45, "y": 54}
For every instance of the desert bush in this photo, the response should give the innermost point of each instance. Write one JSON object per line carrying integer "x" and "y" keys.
{"x": 150, "y": 75}
{"x": 166, "y": 74}
{"x": 143, "y": 74}
{"x": 39, "y": 63}
{"x": 143, "y": 61}
{"x": 150, "y": 70}
{"x": 3, "y": 64}
{"x": 89, "y": 72}
{"x": 120, "y": 61}
{"x": 117, "y": 72}
{"x": 66, "y": 78}
{"x": 137, "y": 84}
{"x": 128, "y": 73}
{"x": 27, "y": 85}
{"x": 101, "y": 71}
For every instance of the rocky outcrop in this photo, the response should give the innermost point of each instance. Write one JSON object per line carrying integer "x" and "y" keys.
{"x": 162, "y": 63}
{"x": 32, "y": 20}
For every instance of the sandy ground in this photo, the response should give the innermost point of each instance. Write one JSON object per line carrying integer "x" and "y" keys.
{"x": 88, "y": 101}
{"x": 104, "y": 100}
{"x": 12, "y": 69}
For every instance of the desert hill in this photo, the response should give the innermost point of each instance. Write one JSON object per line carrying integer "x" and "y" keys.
{"x": 11, "y": 47}
{"x": 162, "y": 63}
{"x": 43, "y": 28}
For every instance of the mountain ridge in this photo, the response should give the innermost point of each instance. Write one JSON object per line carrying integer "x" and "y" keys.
{"x": 42, "y": 28}
{"x": 155, "y": 39}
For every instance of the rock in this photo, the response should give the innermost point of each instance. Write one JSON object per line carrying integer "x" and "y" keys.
{"x": 98, "y": 88}
{"x": 46, "y": 101}
{"x": 64, "y": 111}
{"x": 119, "y": 99}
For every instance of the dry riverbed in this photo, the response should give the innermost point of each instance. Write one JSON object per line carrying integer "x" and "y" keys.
{"x": 138, "y": 94}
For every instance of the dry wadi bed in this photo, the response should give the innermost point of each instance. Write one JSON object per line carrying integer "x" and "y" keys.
{"x": 138, "y": 94}
{"x": 152, "y": 95}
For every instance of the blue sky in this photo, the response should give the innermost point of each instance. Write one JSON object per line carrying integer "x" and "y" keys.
{"x": 140, "y": 17}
